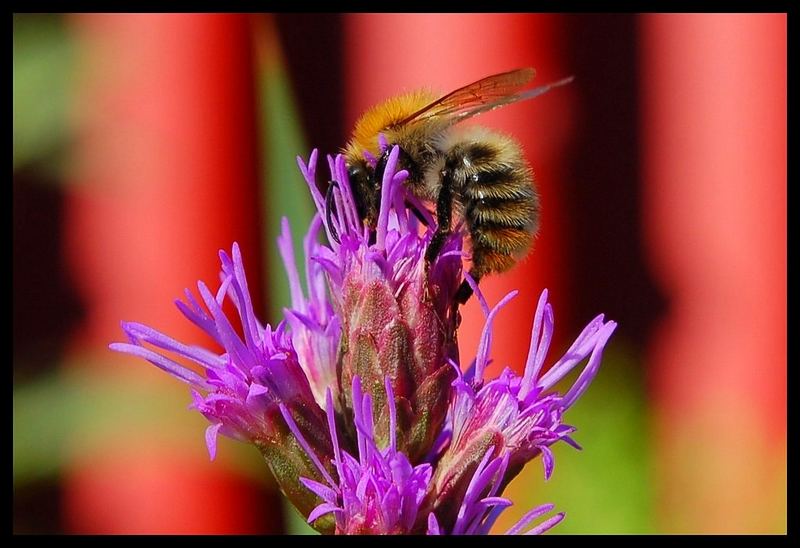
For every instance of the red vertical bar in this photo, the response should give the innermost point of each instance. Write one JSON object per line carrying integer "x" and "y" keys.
{"x": 714, "y": 122}
{"x": 165, "y": 176}
{"x": 387, "y": 54}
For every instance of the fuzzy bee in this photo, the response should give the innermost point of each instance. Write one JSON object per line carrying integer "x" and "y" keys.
{"x": 469, "y": 173}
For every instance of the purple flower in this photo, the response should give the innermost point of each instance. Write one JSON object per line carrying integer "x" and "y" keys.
{"x": 480, "y": 508}
{"x": 357, "y": 400}
{"x": 249, "y": 386}
{"x": 513, "y": 418}
{"x": 379, "y": 492}
{"x": 254, "y": 374}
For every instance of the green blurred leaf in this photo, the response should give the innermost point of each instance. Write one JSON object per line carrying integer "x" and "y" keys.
{"x": 285, "y": 193}
{"x": 66, "y": 413}
{"x": 44, "y": 61}
{"x": 294, "y": 523}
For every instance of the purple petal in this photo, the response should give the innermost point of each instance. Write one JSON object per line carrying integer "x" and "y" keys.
{"x": 388, "y": 186}
{"x": 245, "y": 305}
{"x": 433, "y": 525}
{"x": 589, "y": 372}
{"x": 304, "y": 444}
{"x": 321, "y": 510}
{"x": 528, "y": 517}
{"x": 546, "y": 525}
{"x": 254, "y": 392}
{"x": 392, "y": 415}
{"x": 476, "y": 290}
{"x": 330, "y": 413}
{"x": 481, "y": 361}
{"x": 286, "y": 249}
{"x": 538, "y": 347}
{"x": 548, "y": 461}
{"x": 231, "y": 341}
{"x": 320, "y": 489}
{"x": 195, "y": 314}
{"x": 577, "y": 351}
{"x": 197, "y": 354}
{"x": 572, "y": 442}
{"x": 315, "y": 282}
{"x": 310, "y": 174}
{"x": 171, "y": 367}
{"x": 211, "y": 439}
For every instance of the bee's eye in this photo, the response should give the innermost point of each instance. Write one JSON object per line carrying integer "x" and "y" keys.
{"x": 359, "y": 175}
{"x": 354, "y": 172}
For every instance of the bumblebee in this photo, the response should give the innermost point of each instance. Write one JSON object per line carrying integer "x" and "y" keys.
{"x": 469, "y": 173}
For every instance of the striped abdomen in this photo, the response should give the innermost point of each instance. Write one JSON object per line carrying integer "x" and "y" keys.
{"x": 494, "y": 188}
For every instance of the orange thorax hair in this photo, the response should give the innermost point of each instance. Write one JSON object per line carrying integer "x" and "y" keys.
{"x": 383, "y": 118}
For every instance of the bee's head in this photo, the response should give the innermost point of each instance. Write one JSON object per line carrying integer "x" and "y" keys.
{"x": 362, "y": 183}
{"x": 360, "y": 174}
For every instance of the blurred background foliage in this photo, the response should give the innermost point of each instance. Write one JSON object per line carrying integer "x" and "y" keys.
{"x": 72, "y": 399}
{"x": 44, "y": 62}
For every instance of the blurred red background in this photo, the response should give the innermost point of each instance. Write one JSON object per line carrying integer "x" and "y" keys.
{"x": 145, "y": 143}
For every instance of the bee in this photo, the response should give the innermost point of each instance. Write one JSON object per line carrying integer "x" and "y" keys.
{"x": 470, "y": 173}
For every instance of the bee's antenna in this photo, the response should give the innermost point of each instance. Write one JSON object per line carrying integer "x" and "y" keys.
{"x": 330, "y": 208}
{"x": 417, "y": 213}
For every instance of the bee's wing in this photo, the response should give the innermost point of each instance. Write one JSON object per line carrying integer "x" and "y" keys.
{"x": 475, "y": 95}
{"x": 482, "y": 96}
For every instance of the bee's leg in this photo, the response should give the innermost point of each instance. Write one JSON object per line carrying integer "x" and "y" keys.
{"x": 444, "y": 211}
{"x": 330, "y": 210}
{"x": 465, "y": 290}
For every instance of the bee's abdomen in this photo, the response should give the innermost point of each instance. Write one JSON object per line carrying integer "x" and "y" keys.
{"x": 502, "y": 181}
{"x": 500, "y": 233}
{"x": 512, "y": 213}
{"x": 500, "y": 204}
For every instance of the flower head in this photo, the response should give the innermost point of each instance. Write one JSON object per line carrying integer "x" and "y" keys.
{"x": 249, "y": 386}
{"x": 380, "y": 491}
{"x": 357, "y": 400}
{"x": 511, "y": 417}
{"x": 396, "y": 313}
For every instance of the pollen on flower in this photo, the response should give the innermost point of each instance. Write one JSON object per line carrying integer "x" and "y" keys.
{"x": 358, "y": 400}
